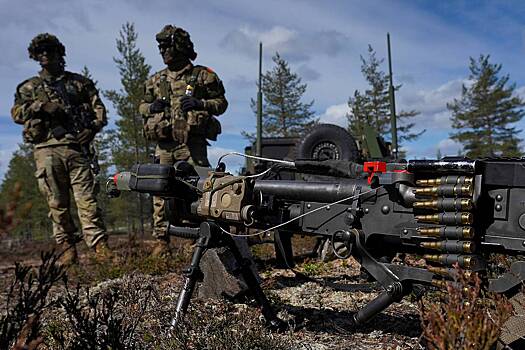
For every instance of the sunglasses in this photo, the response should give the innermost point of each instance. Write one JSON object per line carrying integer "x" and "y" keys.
{"x": 45, "y": 48}
{"x": 164, "y": 46}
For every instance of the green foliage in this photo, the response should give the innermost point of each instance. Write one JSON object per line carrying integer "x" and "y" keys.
{"x": 284, "y": 115}
{"x": 372, "y": 107}
{"x": 31, "y": 208}
{"x": 130, "y": 146}
{"x": 126, "y": 145}
{"x": 86, "y": 73}
{"x": 313, "y": 268}
{"x": 484, "y": 117}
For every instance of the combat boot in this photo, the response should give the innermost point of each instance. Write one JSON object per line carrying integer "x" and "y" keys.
{"x": 161, "y": 248}
{"x": 69, "y": 255}
{"x": 103, "y": 253}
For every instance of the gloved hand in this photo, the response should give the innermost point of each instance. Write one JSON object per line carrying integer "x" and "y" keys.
{"x": 85, "y": 136}
{"x": 158, "y": 106}
{"x": 51, "y": 107}
{"x": 190, "y": 103}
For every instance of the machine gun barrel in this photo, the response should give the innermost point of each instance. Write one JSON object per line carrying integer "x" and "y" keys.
{"x": 325, "y": 192}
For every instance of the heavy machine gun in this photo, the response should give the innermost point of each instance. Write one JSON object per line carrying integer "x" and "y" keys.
{"x": 449, "y": 211}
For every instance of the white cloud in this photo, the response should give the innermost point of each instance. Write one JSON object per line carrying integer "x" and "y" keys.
{"x": 432, "y": 105}
{"x": 448, "y": 147}
{"x": 521, "y": 92}
{"x": 290, "y": 43}
{"x": 335, "y": 114}
{"x": 433, "y": 101}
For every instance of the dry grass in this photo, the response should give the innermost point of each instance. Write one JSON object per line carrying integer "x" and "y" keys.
{"x": 465, "y": 317}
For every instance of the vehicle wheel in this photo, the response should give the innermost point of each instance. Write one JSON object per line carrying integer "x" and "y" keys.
{"x": 327, "y": 141}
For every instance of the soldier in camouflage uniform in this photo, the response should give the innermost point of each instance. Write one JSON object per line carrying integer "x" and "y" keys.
{"x": 179, "y": 106}
{"x": 61, "y": 112}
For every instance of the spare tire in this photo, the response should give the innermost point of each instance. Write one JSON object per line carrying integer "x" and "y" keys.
{"x": 328, "y": 141}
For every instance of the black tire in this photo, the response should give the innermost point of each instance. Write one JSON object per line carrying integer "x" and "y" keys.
{"x": 328, "y": 141}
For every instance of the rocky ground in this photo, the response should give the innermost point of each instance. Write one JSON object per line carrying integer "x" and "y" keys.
{"x": 323, "y": 314}
{"x": 319, "y": 315}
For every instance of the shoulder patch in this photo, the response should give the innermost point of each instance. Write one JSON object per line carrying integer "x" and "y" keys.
{"x": 209, "y": 70}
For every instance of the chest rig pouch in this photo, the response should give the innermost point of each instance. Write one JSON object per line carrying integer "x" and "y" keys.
{"x": 201, "y": 123}
{"x": 159, "y": 126}
{"x": 38, "y": 128}
{"x": 173, "y": 124}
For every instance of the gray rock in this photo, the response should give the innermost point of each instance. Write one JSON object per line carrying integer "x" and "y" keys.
{"x": 222, "y": 277}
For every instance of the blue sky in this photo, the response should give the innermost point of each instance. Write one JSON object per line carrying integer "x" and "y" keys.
{"x": 322, "y": 40}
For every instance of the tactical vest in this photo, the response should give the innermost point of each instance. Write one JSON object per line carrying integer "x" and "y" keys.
{"x": 76, "y": 114}
{"x": 173, "y": 124}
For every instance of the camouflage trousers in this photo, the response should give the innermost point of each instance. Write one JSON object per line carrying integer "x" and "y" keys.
{"x": 61, "y": 169}
{"x": 196, "y": 154}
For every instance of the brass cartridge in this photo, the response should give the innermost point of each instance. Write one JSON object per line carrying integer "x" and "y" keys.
{"x": 439, "y": 283}
{"x": 451, "y": 246}
{"x": 464, "y": 261}
{"x": 456, "y": 204}
{"x": 447, "y": 271}
{"x": 445, "y": 190}
{"x": 450, "y": 179}
{"x": 446, "y": 218}
{"x": 443, "y": 284}
{"x": 452, "y": 232}
{"x": 442, "y": 271}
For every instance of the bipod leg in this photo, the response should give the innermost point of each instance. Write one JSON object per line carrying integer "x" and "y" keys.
{"x": 272, "y": 321}
{"x": 193, "y": 273}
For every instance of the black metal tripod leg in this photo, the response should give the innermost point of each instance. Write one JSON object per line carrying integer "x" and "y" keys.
{"x": 192, "y": 275}
{"x": 250, "y": 278}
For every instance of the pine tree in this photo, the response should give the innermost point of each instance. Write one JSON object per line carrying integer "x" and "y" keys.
{"x": 372, "y": 107}
{"x": 86, "y": 73}
{"x": 484, "y": 116}
{"x": 284, "y": 115}
{"x": 128, "y": 144}
{"x": 438, "y": 154}
{"x": 31, "y": 207}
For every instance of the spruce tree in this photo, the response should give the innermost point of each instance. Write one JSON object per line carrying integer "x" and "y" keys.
{"x": 284, "y": 115}
{"x": 484, "y": 117}
{"x": 372, "y": 107}
{"x": 103, "y": 149}
{"x": 31, "y": 207}
{"x": 128, "y": 145}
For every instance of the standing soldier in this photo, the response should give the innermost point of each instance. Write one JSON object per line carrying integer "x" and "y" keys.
{"x": 178, "y": 108}
{"x": 61, "y": 113}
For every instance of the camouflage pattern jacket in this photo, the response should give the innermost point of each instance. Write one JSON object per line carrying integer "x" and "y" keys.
{"x": 174, "y": 125}
{"x": 79, "y": 102}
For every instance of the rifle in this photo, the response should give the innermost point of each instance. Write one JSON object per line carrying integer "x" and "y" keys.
{"x": 449, "y": 211}
{"x": 79, "y": 117}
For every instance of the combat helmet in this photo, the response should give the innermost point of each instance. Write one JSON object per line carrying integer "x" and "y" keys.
{"x": 177, "y": 38}
{"x": 45, "y": 39}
